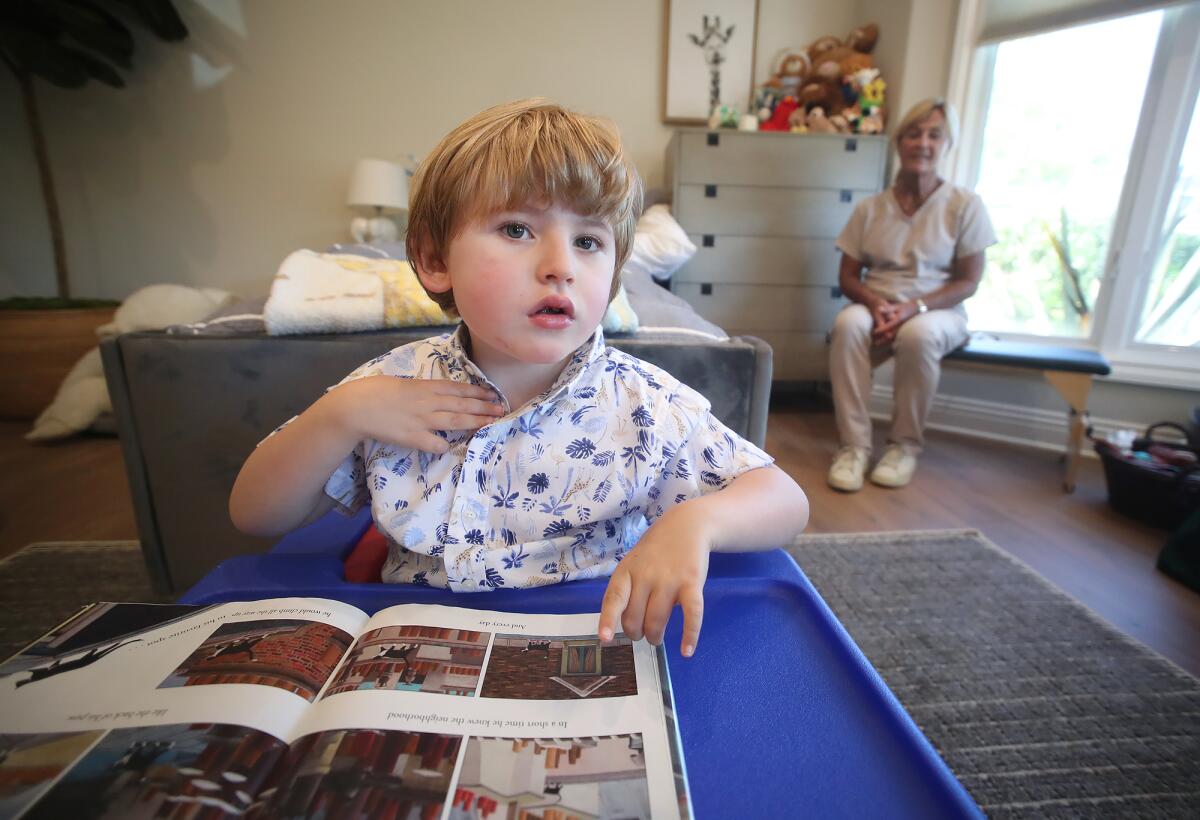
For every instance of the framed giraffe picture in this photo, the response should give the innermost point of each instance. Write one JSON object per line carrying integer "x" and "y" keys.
{"x": 708, "y": 57}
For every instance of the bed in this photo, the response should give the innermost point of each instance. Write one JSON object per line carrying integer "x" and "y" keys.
{"x": 191, "y": 402}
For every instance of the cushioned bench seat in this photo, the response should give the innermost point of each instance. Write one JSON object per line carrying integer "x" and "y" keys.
{"x": 1069, "y": 370}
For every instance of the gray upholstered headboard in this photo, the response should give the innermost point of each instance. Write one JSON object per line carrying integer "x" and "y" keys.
{"x": 190, "y": 409}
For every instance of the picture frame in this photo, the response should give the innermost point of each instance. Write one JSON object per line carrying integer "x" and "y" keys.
{"x": 708, "y": 54}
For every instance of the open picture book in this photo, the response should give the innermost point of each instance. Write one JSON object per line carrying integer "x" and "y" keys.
{"x": 305, "y": 707}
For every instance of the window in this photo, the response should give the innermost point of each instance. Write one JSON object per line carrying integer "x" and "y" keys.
{"x": 1090, "y": 169}
{"x": 1171, "y": 304}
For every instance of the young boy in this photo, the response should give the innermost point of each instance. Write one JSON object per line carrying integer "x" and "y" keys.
{"x": 520, "y": 450}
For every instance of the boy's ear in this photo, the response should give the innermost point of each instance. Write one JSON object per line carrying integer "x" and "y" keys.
{"x": 431, "y": 270}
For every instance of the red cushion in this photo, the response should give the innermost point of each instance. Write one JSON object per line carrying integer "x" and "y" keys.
{"x": 364, "y": 564}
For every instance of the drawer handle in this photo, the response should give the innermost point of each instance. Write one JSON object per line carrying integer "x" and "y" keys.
{"x": 845, "y": 196}
{"x": 710, "y": 191}
{"x": 706, "y": 289}
{"x": 852, "y": 145}
{"x": 709, "y": 240}
{"x": 835, "y": 293}
{"x": 714, "y": 139}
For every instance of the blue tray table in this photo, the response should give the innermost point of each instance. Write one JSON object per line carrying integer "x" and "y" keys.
{"x": 780, "y": 713}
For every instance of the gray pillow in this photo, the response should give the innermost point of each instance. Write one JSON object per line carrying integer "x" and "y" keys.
{"x": 239, "y": 317}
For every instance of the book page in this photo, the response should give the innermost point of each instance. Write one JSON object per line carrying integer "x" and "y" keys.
{"x": 124, "y": 705}
{"x": 492, "y": 714}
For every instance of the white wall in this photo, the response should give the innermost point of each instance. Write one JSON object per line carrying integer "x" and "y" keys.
{"x": 233, "y": 148}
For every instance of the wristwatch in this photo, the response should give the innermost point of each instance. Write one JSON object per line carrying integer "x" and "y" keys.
{"x": 921, "y": 306}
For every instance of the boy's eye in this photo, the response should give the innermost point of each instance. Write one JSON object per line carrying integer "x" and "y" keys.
{"x": 515, "y": 230}
{"x": 588, "y": 243}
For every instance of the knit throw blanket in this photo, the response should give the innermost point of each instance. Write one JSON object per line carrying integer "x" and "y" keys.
{"x": 342, "y": 293}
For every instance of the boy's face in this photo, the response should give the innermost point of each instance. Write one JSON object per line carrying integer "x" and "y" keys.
{"x": 531, "y": 285}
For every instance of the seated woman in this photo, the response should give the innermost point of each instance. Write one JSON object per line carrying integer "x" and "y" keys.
{"x": 910, "y": 256}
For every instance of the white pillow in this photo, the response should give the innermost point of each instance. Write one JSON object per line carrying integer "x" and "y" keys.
{"x": 620, "y": 318}
{"x": 660, "y": 245}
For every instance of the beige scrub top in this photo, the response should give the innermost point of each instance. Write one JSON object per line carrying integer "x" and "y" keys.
{"x": 910, "y": 256}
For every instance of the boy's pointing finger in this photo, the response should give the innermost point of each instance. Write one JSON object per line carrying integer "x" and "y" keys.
{"x": 615, "y": 599}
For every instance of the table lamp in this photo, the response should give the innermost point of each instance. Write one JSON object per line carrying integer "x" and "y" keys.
{"x": 378, "y": 184}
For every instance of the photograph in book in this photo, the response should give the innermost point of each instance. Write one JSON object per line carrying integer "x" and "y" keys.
{"x": 184, "y": 770}
{"x": 365, "y": 772}
{"x": 30, "y": 762}
{"x": 414, "y": 659}
{"x": 90, "y": 635}
{"x": 553, "y": 777}
{"x": 549, "y": 667}
{"x": 294, "y": 655}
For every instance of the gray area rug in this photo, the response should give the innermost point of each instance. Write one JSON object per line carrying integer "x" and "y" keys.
{"x": 1038, "y": 706}
{"x": 43, "y": 584}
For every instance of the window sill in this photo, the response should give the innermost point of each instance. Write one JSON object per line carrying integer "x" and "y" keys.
{"x": 1132, "y": 371}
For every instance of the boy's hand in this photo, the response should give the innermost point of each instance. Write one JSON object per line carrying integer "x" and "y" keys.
{"x": 668, "y": 566}
{"x": 408, "y": 412}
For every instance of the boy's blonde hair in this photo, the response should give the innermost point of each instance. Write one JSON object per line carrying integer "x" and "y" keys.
{"x": 528, "y": 151}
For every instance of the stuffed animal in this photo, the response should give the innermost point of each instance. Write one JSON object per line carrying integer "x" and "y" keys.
{"x": 827, "y": 54}
{"x": 818, "y": 91}
{"x": 872, "y": 94}
{"x": 791, "y": 67}
{"x": 798, "y": 121}
{"x": 724, "y": 116}
{"x": 765, "y": 99}
{"x": 871, "y": 123}
{"x": 818, "y": 123}
{"x": 779, "y": 117}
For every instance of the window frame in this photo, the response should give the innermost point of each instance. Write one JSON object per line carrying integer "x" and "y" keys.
{"x": 1167, "y": 108}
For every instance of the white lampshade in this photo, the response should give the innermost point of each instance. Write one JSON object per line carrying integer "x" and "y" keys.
{"x": 378, "y": 183}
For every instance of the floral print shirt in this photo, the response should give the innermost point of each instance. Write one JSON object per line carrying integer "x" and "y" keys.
{"x": 556, "y": 490}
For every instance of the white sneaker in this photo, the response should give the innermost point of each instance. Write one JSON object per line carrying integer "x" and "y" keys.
{"x": 896, "y": 468}
{"x": 848, "y": 468}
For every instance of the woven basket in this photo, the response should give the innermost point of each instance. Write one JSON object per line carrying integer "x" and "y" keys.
{"x": 1156, "y": 494}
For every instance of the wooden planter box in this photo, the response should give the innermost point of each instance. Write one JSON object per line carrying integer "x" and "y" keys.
{"x": 38, "y": 349}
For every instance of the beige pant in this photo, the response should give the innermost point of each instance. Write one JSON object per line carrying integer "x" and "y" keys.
{"x": 920, "y": 344}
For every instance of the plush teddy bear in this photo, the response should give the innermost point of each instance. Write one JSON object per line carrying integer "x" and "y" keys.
{"x": 818, "y": 123}
{"x": 827, "y": 54}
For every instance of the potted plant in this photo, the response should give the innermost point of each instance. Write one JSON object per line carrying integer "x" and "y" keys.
{"x": 66, "y": 43}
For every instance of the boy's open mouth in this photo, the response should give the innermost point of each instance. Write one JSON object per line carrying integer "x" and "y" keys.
{"x": 554, "y": 306}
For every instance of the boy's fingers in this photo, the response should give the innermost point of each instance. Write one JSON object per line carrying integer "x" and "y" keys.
{"x": 691, "y": 598}
{"x": 459, "y": 421}
{"x": 658, "y": 612}
{"x": 448, "y": 387}
{"x": 615, "y": 598}
{"x": 635, "y": 611}
{"x": 433, "y": 444}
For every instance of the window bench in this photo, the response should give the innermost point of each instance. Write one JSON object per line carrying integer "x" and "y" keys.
{"x": 1067, "y": 369}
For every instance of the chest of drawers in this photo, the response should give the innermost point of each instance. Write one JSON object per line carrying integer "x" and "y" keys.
{"x": 764, "y": 210}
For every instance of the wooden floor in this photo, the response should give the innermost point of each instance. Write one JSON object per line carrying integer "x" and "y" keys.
{"x": 76, "y": 491}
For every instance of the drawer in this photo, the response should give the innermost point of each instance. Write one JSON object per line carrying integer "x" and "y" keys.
{"x": 810, "y": 161}
{"x": 754, "y": 308}
{"x": 797, "y": 356}
{"x": 761, "y": 260}
{"x": 803, "y": 213}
